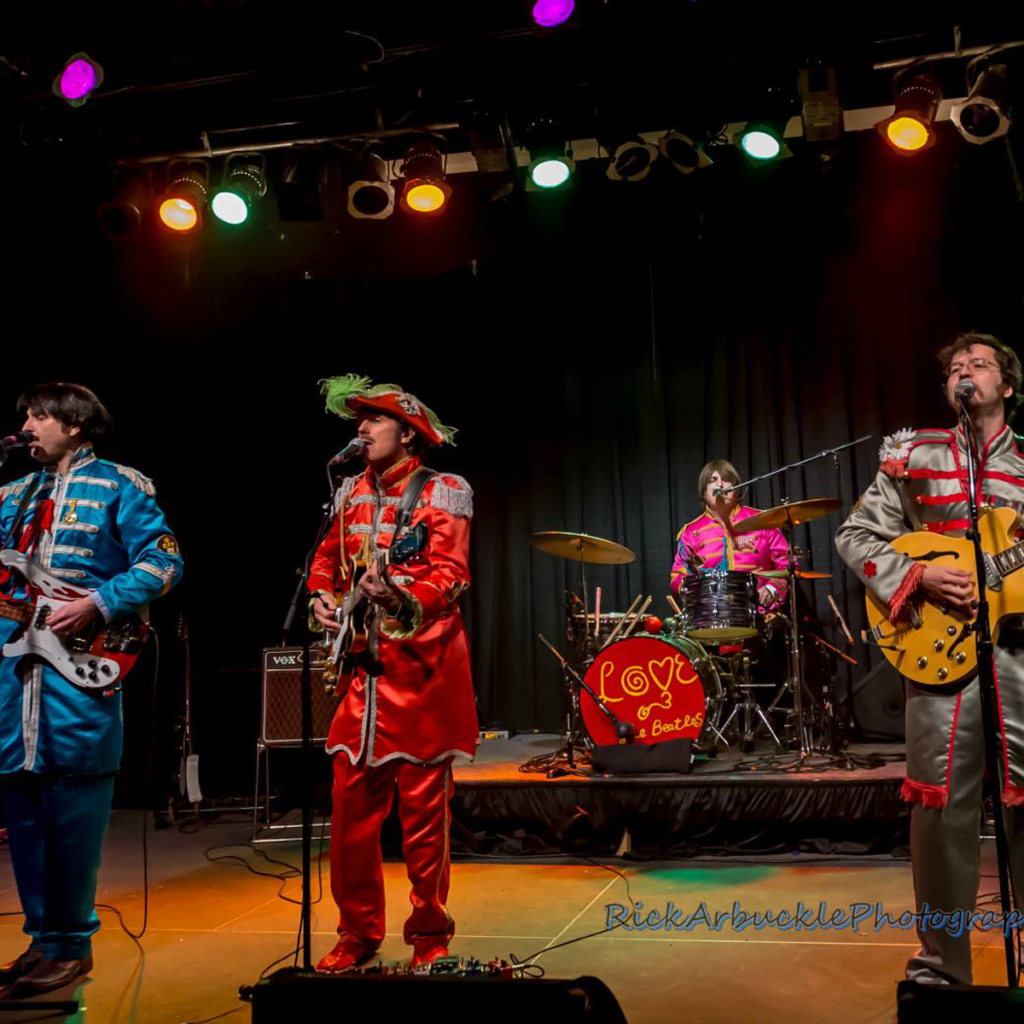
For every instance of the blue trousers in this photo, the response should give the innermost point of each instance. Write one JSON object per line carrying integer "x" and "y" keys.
{"x": 56, "y": 826}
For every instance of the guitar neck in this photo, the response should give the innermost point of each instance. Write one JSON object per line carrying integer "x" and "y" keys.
{"x": 1009, "y": 560}
{"x": 18, "y": 612}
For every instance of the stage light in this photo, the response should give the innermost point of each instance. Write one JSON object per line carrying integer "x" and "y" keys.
{"x": 80, "y": 77}
{"x": 910, "y": 129}
{"x": 300, "y": 188}
{"x": 551, "y": 172}
{"x": 820, "y": 109}
{"x": 181, "y": 206}
{"x": 761, "y": 142}
{"x": 244, "y": 183}
{"x": 370, "y": 193}
{"x": 426, "y": 191}
{"x": 986, "y": 114}
{"x": 685, "y": 155}
{"x": 631, "y": 160}
{"x": 125, "y": 214}
{"x": 548, "y": 13}
{"x": 549, "y": 167}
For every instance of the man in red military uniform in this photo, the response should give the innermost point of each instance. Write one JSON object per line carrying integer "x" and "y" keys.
{"x": 408, "y": 708}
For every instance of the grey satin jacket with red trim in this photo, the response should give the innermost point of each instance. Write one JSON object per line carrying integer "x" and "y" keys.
{"x": 922, "y": 485}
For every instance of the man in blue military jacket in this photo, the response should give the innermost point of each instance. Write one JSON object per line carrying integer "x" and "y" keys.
{"x": 98, "y": 526}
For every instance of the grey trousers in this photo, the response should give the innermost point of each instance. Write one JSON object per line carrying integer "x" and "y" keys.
{"x": 944, "y": 842}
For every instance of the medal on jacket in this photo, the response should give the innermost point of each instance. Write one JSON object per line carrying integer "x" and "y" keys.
{"x": 71, "y": 516}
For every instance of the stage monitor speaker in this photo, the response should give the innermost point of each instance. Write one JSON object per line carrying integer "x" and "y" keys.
{"x": 294, "y": 995}
{"x": 879, "y": 700}
{"x": 281, "y": 713}
{"x": 924, "y": 1004}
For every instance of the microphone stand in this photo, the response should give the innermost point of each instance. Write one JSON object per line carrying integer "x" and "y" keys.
{"x": 301, "y": 589}
{"x": 987, "y": 691}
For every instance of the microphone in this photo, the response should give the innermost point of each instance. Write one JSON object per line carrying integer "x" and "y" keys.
{"x": 22, "y": 439}
{"x": 843, "y": 628}
{"x": 964, "y": 390}
{"x": 355, "y": 447}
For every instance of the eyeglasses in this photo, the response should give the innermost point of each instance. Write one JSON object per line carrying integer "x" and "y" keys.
{"x": 975, "y": 365}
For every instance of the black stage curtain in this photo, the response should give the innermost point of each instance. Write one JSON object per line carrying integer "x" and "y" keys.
{"x": 594, "y": 354}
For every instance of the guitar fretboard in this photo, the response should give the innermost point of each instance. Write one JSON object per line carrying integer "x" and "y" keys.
{"x": 18, "y": 612}
{"x": 1009, "y": 560}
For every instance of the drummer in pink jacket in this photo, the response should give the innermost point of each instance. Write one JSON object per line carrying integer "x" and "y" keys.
{"x": 708, "y": 542}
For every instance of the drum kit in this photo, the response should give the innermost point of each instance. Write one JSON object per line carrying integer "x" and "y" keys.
{"x": 633, "y": 677}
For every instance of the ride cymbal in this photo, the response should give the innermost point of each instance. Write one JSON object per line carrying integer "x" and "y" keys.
{"x": 797, "y": 512}
{"x": 582, "y": 547}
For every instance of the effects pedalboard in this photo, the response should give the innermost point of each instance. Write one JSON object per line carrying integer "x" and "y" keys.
{"x": 450, "y": 966}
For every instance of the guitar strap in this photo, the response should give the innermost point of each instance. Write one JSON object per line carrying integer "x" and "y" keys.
{"x": 403, "y": 516}
{"x": 26, "y": 499}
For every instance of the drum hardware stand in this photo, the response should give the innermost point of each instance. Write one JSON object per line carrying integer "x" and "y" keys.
{"x": 624, "y": 730}
{"x": 743, "y": 696}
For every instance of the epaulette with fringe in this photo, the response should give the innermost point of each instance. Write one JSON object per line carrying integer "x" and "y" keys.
{"x": 15, "y": 487}
{"x": 140, "y": 480}
{"x": 343, "y": 491}
{"x": 894, "y": 452}
{"x": 456, "y": 500}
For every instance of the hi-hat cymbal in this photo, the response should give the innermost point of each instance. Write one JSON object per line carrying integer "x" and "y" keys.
{"x": 583, "y": 547}
{"x": 800, "y": 574}
{"x": 795, "y": 513}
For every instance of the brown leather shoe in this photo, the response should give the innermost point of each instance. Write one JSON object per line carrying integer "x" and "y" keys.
{"x": 345, "y": 955}
{"x": 50, "y": 974}
{"x": 14, "y": 969}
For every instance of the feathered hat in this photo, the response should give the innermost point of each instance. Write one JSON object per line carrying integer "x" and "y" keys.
{"x": 348, "y": 394}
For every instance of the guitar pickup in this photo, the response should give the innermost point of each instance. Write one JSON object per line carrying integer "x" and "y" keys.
{"x": 993, "y": 578}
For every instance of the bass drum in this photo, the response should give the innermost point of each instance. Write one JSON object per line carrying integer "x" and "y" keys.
{"x": 666, "y": 686}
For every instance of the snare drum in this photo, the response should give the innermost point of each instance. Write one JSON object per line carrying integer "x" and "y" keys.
{"x": 720, "y": 605}
{"x": 666, "y": 686}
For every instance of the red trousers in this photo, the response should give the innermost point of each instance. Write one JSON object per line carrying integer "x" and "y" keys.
{"x": 362, "y": 800}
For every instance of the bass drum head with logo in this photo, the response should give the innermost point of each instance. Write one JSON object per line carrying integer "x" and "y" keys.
{"x": 667, "y": 687}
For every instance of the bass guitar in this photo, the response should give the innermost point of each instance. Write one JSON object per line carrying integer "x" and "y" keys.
{"x": 353, "y": 638}
{"x": 96, "y": 658}
{"x": 935, "y": 645}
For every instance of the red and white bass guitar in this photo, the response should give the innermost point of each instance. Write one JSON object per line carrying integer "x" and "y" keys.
{"x": 96, "y": 657}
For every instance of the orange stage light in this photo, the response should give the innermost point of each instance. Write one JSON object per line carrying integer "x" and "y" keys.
{"x": 425, "y": 198}
{"x": 178, "y": 214}
{"x": 907, "y": 134}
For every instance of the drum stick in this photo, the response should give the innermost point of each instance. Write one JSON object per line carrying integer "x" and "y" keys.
{"x": 674, "y": 605}
{"x": 597, "y": 614}
{"x": 636, "y": 618}
{"x": 834, "y": 650}
{"x": 615, "y": 632}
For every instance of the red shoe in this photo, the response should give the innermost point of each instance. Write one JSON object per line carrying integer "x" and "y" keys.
{"x": 345, "y": 955}
{"x": 427, "y": 951}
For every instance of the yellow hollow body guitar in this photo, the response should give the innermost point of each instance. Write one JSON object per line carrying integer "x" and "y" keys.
{"x": 934, "y": 646}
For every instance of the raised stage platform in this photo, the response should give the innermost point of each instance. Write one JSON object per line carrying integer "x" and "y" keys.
{"x": 732, "y": 805}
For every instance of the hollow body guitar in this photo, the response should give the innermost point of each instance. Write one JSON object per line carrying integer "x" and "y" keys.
{"x": 352, "y": 643}
{"x": 97, "y": 657}
{"x": 935, "y": 646}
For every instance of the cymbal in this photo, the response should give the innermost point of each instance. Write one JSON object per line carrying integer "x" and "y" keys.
{"x": 797, "y": 512}
{"x": 583, "y": 547}
{"x": 800, "y": 574}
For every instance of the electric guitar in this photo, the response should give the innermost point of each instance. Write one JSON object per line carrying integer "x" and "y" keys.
{"x": 353, "y": 639}
{"x": 936, "y": 646}
{"x": 97, "y": 657}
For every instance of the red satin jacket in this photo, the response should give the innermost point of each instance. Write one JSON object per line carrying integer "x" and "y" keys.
{"x": 421, "y": 706}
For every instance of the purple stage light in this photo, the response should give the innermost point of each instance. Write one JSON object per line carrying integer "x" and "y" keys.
{"x": 78, "y": 79}
{"x": 549, "y": 13}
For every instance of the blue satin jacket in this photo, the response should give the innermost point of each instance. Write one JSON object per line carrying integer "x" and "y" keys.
{"x": 100, "y": 527}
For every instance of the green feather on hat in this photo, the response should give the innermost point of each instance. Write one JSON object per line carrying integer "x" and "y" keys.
{"x": 340, "y": 391}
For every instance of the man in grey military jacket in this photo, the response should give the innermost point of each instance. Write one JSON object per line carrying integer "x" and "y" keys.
{"x": 922, "y": 485}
